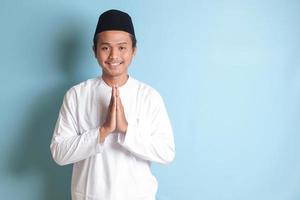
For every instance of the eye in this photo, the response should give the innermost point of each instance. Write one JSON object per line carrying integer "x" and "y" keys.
{"x": 122, "y": 48}
{"x": 104, "y": 48}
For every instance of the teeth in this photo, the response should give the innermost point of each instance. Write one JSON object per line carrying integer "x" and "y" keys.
{"x": 114, "y": 64}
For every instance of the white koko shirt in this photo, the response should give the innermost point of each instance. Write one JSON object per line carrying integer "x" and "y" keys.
{"x": 119, "y": 168}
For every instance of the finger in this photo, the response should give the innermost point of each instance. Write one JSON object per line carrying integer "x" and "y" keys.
{"x": 117, "y": 97}
{"x": 120, "y": 110}
{"x": 114, "y": 97}
{"x": 113, "y": 91}
{"x": 121, "y": 119}
{"x": 111, "y": 98}
{"x": 119, "y": 105}
{"x": 117, "y": 91}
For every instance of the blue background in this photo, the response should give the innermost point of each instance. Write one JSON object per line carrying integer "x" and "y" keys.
{"x": 228, "y": 71}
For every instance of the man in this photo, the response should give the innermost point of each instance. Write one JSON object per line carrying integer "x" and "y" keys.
{"x": 112, "y": 127}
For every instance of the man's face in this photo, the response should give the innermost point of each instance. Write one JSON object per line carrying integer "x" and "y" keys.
{"x": 114, "y": 53}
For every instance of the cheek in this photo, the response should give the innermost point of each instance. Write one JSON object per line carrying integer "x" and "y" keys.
{"x": 101, "y": 57}
{"x": 128, "y": 57}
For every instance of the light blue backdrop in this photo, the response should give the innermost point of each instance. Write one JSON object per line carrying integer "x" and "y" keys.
{"x": 228, "y": 71}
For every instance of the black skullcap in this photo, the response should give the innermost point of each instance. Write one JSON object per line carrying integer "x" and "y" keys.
{"x": 114, "y": 20}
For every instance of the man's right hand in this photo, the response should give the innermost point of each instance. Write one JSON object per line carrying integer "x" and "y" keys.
{"x": 110, "y": 122}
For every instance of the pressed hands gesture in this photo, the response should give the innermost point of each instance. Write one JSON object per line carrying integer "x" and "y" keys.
{"x": 115, "y": 119}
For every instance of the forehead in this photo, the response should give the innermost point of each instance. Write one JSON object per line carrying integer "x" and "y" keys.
{"x": 114, "y": 37}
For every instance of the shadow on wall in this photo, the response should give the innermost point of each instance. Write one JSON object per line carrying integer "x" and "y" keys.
{"x": 33, "y": 150}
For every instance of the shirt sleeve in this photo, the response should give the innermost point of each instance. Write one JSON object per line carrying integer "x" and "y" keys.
{"x": 150, "y": 135}
{"x": 68, "y": 145}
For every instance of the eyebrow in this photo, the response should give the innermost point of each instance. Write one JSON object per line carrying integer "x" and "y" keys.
{"x": 107, "y": 43}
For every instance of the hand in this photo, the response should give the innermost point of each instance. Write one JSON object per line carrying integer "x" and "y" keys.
{"x": 115, "y": 119}
{"x": 110, "y": 122}
{"x": 121, "y": 119}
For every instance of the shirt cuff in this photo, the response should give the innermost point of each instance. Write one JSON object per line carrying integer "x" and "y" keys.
{"x": 129, "y": 138}
{"x": 96, "y": 136}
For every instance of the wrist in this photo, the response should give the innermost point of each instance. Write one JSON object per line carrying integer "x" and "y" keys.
{"x": 125, "y": 128}
{"x": 103, "y": 134}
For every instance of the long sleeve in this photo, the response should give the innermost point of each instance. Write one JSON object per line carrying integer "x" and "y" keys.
{"x": 150, "y": 136}
{"x": 68, "y": 145}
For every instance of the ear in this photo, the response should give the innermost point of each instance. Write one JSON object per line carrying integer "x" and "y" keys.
{"x": 95, "y": 51}
{"x": 134, "y": 51}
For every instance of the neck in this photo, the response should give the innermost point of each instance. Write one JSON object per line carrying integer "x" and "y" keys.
{"x": 115, "y": 81}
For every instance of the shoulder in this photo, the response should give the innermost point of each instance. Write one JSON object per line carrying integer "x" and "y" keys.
{"x": 82, "y": 87}
{"x": 86, "y": 84}
{"x": 147, "y": 92}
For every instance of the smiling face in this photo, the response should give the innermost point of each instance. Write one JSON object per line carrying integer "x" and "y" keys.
{"x": 114, "y": 53}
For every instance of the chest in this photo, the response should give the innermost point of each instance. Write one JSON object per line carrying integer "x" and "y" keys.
{"x": 92, "y": 109}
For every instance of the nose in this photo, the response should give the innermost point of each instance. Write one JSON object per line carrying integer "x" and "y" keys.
{"x": 113, "y": 53}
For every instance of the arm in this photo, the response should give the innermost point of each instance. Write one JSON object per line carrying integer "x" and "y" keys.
{"x": 68, "y": 145}
{"x": 150, "y": 137}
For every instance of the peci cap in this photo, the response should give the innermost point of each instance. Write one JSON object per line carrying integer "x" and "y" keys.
{"x": 114, "y": 20}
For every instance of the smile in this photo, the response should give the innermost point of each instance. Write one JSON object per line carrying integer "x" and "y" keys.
{"x": 114, "y": 64}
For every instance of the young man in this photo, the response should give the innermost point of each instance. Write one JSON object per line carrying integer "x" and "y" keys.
{"x": 112, "y": 127}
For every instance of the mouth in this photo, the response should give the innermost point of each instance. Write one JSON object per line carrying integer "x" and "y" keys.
{"x": 114, "y": 64}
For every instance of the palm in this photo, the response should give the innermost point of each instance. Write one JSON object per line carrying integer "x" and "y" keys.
{"x": 115, "y": 119}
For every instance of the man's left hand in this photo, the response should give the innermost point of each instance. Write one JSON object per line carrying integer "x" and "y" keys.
{"x": 121, "y": 119}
